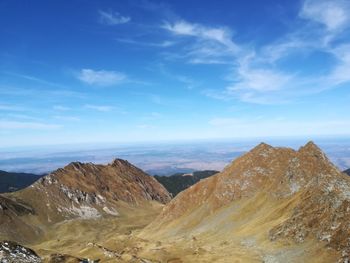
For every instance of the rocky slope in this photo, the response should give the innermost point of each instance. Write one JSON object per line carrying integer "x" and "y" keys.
{"x": 286, "y": 205}
{"x": 178, "y": 182}
{"x": 11, "y": 252}
{"x": 78, "y": 191}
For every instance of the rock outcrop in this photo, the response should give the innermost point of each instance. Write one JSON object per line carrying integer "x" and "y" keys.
{"x": 11, "y": 252}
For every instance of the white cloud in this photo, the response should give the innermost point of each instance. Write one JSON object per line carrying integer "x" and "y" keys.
{"x": 102, "y": 108}
{"x": 66, "y": 118}
{"x": 61, "y": 108}
{"x": 218, "y": 34}
{"x": 7, "y": 107}
{"x": 334, "y": 15}
{"x": 101, "y": 77}
{"x": 211, "y": 44}
{"x": 162, "y": 44}
{"x": 113, "y": 18}
{"x": 224, "y": 121}
{"x": 260, "y": 79}
{"x": 341, "y": 72}
{"x": 14, "y": 125}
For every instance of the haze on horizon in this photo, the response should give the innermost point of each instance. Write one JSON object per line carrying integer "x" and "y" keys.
{"x": 142, "y": 70}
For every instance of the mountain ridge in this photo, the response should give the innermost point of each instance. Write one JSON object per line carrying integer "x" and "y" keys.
{"x": 80, "y": 191}
{"x": 11, "y": 181}
{"x": 275, "y": 194}
{"x": 180, "y": 181}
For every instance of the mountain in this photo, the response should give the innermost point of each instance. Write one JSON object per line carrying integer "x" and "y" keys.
{"x": 10, "y": 182}
{"x": 269, "y": 205}
{"x": 78, "y": 191}
{"x": 181, "y": 181}
{"x": 347, "y": 171}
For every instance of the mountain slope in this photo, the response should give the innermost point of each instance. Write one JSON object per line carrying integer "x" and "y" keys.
{"x": 82, "y": 191}
{"x": 180, "y": 181}
{"x": 271, "y": 205}
{"x": 10, "y": 182}
{"x": 347, "y": 171}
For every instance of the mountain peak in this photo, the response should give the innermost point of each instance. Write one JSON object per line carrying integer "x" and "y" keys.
{"x": 120, "y": 163}
{"x": 262, "y": 149}
{"x": 262, "y": 146}
{"x": 312, "y": 149}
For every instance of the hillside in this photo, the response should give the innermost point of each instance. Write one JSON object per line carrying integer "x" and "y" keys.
{"x": 347, "y": 171}
{"x": 77, "y": 191}
{"x": 270, "y": 205}
{"x": 10, "y": 182}
{"x": 181, "y": 181}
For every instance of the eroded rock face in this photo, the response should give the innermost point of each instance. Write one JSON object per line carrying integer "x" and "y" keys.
{"x": 89, "y": 191}
{"x": 93, "y": 184}
{"x": 11, "y": 252}
{"x": 319, "y": 194}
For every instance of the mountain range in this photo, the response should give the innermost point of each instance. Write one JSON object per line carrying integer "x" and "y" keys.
{"x": 271, "y": 204}
{"x": 180, "y": 181}
{"x": 10, "y": 181}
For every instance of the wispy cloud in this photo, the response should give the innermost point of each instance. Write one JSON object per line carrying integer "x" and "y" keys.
{"x": 218, "y": 34}
{"x": 23, "y": 117}
{"x": 35, "y": 79}
{"x": 161, "y": 44}
{"x": 113, "y": 18}
{"x": 66, "y": 118}
{"x": 334, "y": 15}
{"x": 211, "y": 44}
{"x": 101, "y": 77}
{"x": 8, "y": 107}
{"x": 259, "y": 79}
{"x": 101, "y": 108}
{"x": 61, "y": 108}
{"x": 14, "y": 125}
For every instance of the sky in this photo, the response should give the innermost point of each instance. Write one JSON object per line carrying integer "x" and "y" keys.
{"x": 145, "y": 70}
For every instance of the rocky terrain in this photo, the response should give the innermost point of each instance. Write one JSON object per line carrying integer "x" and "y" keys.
{"x": 11, "y": 252}
{"x": 180, "y": 181}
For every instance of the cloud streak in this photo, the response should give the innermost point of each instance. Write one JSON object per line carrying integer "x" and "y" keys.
{"x": 101, "y": 77}
{"x": 112, "y": 18}
{"x": 101, "y": 108}
{"x": 18, "y": 125}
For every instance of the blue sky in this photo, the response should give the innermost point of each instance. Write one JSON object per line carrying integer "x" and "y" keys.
{"x": 133, "y": 71}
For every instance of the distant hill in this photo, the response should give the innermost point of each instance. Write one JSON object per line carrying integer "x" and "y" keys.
{"x": 10, "y": 182}
{"x": 347, "y": 171}
{"x": 181, "y": 181}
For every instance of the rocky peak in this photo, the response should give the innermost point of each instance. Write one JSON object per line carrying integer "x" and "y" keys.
{"x": 311, "y": 149}
{"x": 92, "y": 190}
{"x": 120, "y": 163}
